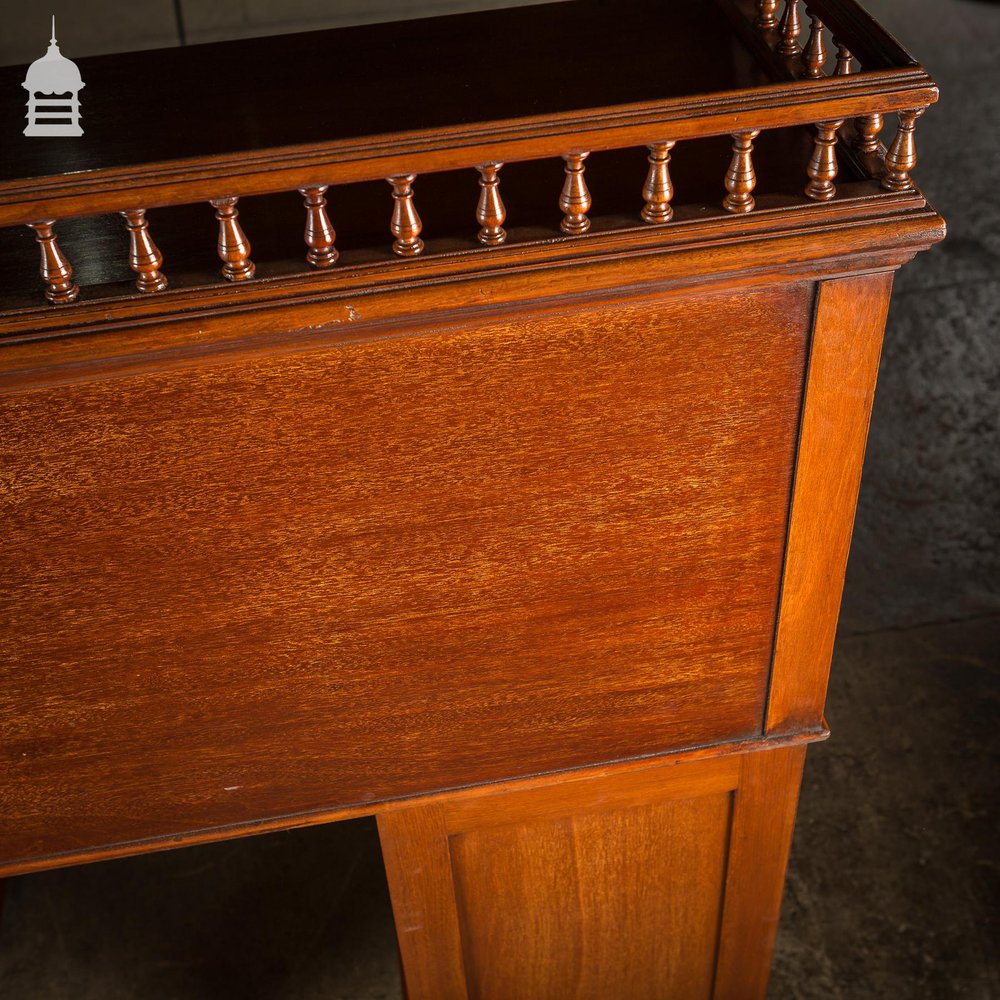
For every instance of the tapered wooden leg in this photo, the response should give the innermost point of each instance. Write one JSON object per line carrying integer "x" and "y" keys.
{"x": 612, "y": 884}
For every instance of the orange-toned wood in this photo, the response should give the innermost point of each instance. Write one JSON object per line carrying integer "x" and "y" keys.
{"x": 415, "y": 851}
{"x": 658, "y": 189}
{"x": 761, "y": 835}
{"x": 405, "y": 225}
{"x": 438, "y": 543}
{"x": 55, "y": 269}
{"x": 902, "y": 155}
{"x": 740, "y": 177}
{"x": 822, "y": 168}
{"x": 574, "y": 200}
{"x": 658, "y": 883}
{"x": 144, "y": 256}
{"x": 843, "y": 365}
{"x": 320, "y": 236}
{"x": 490, "y": 212}
{"x": 233, "y": 245}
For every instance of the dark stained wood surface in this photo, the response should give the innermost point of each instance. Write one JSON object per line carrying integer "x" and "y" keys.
{"x": 299, "y": 582}
{"x": 257, "y": 93}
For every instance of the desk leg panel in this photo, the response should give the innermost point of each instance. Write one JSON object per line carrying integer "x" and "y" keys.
{"x": 622, "y": 885}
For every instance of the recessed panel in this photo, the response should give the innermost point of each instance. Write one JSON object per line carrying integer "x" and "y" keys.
{"x": 293, "y": 582}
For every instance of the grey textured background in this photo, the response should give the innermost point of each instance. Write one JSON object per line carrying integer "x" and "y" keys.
{"x": 893, "y": 885}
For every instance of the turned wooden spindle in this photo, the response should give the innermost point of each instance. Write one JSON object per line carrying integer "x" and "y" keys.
{"x": 233, "y": 245}
{"x": 814, "y": 56}
{"x": 902, "y": 155}
{"x": 845, "y": 61}
{"x": 740, "y": 178}
{"x": 790, "y": 29}
{"x": 490, "y": 212}
{"x": 575, "y": 197}
{"x": 144, "y": 256}
{"x": 822, "y": 169}
{"x": 767, "y": 14}
{"x": 320, "y": 235}
{"x": 658, "y": 191}
{"x": 866, "y": 138}
{"x": 406, "y": 224}
{"x": 56, "y": 270}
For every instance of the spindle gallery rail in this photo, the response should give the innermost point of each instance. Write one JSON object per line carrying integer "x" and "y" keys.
{"x": 846, "y": 103}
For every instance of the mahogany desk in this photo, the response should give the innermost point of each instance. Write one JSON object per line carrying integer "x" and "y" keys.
{"x": 514, "y": 512}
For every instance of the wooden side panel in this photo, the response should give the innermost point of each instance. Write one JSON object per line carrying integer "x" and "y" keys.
{"x": 763, "y": 819}
{"x": 662, "y": 883}
{"x": 297, "y": 582}
{"x": 843, "y": 366}
{"x": 418, "y": 866}
{"x": 600, "y": 887}
{"x": 621, "y": 903}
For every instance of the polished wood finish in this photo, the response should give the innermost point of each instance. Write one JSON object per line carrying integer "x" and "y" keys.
{"x": 530, "y": 546}
{"x": 233, "y": 245}
{"x": 867, "y": 134}
{"x": 767, "y": 14}
{"x": 143, "y": 257}
{"x": 814, "y": 54}
{"x": 790, "y": 28}
{"x": 235, "y": 148}
{"x": 490, "y": 212}
{"x": 843, "y": 365}
{"x": 611, "y": 886}
{"x": 740, "y": 177}
{"x": 658, "y": 191}
{"x": 560, "y": 611}
{"x": 845, "y": 60}
{"x": 574, "y": 200}
{"x": 902, "y": 155}
{"x": 55, "y": 269}
{"x": 763, "y": 819}
{"x": 320, "y": 236}
{"x": 405, "y": 224}
{"x": 822, "y": 169}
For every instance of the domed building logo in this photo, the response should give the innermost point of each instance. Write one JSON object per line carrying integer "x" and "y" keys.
{"x": 53, "y": 84}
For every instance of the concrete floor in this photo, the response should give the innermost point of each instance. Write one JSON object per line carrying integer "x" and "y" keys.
{"x": 893, "y": 887}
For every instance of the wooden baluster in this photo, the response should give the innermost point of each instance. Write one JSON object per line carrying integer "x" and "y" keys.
{"x": 56, "y": 270}
{"x": 320, "y": 234}
{"x": 902, "y": 155}
{"x": 575, "y": 198}
{"x": 845, "y": 61}
{"x": 822, "y": 167}
{"x": 233, "y": 245}
{"x": 814, "y": 56}
{"x": 767, "y": 14}
{"x": 740, "y": 178}
{"x": 658, "y": 189}
{"x": 144, "y": 256}
{"x": 490, "y": 212}
{"x": 867, "y": 138}
{"x": 790, "y": 29}
{"x": 406, "y": 224}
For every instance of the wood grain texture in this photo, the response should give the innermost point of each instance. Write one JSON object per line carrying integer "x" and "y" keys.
{"x": 661, "y": 883}
{"x": 843, "y": 365}
{"x": 418, "y": 868}
{"x": 603, "y": 887}
{"x": 296, "y": 583}
{"x": 589, "y": 906}
{"x": 763, "y": 818}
